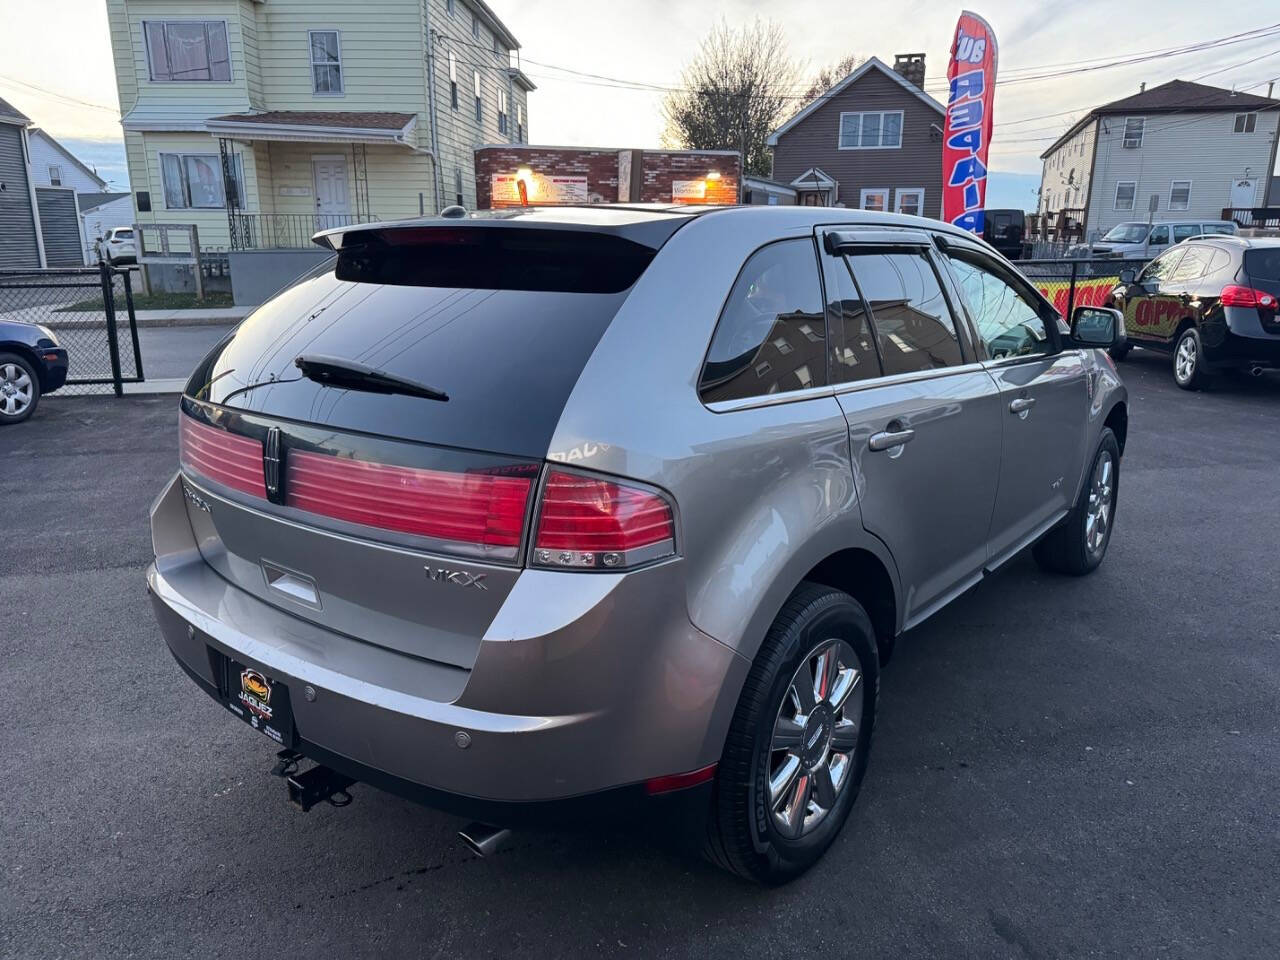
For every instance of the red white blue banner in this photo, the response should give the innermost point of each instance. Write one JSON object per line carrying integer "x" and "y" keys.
{"x": 967, "y": 132}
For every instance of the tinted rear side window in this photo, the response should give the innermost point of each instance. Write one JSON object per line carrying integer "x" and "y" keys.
{"x": 771, "y": 337}
{"x": 853, "y": 346}
{"x": 1263, "y": 264}
{"x": 912, "y": 321}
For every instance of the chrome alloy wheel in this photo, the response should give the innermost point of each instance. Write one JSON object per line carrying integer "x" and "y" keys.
{"x": 1185, "y": 361}
{"x": 1097, "y": 518}
{"x": 815, "y": 738}
{"x": 15, "y": 389}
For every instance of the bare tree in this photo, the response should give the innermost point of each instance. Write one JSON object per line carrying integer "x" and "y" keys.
{"x": 829, "y": 76}
{"x": 734, "y": 93}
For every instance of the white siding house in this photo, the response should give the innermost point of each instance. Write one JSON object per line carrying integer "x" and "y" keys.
{"x": 303, "y": 114}
{"x": 53, "y": 165}
{"x": 1197, "y": 149}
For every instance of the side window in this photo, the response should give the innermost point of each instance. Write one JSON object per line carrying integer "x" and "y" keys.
{"x": 1159, "y": 235}
{"x": 1184, "y": 231}
{"x": 771, "y": 337}
{"x": 1193, "y": 265}
{"x": 914, "y": 327}
{"x": 1162, "y": 266}
{"x": 853, "y": 342}
{"x": 1008, "y": 321}
{"x": 1221, "y": 259}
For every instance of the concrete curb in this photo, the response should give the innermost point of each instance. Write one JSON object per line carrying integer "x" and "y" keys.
{"x": 151, "y": 318}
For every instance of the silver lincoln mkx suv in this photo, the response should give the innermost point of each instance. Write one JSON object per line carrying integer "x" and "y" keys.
{"x": 552, "y": 511}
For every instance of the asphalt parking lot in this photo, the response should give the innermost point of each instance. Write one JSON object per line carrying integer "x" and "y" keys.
{"x": 1062, "y": 768}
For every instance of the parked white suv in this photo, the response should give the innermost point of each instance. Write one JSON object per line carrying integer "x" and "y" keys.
{"x": 1137, "y": 240}
{"x": 118, "y": 246}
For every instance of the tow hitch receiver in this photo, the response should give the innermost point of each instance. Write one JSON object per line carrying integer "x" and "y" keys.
{"x": 317, "y": 785}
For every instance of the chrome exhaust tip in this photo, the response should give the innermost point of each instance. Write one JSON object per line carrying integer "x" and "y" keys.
{"x": 484, "y": 840}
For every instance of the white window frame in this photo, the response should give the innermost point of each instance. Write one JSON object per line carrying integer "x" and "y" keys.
{"x": 1115, "y": 203}
{"x": 916, "y": 191}
{"x": 504, "y": 119}
{"x": 1249, "y": 125}
{"x": 1172, "y": 185}
{"x": 475, "y": 25}
{"x": 519, "y": 122}
{"x": 238, "y": 174}
{"x": 479, "y": 114}
{"x": 55, "y": 175}
{"x": 342, "y": 70}
{"x": 1131, "y": 143}
{"x": 146, "y": 45}
{"x": 866, "y": 113}
{"x": 862, "y": 198}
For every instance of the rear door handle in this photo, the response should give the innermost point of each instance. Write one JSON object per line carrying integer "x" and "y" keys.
{"x": 1022, "y": 404}
{"x": 888, "y": 439}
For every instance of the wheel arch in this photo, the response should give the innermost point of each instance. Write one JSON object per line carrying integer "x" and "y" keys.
{"x": 1117, "y": 419}
{"x": 864, "y": 576}
{"x": 26, "y": 353}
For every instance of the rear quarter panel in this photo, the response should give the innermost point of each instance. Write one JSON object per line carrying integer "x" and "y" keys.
{"x": 762, "y": 494}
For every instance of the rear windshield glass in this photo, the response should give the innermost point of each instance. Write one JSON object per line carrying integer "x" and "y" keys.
{"x": 1262, "y": 264}
{"x": 493, "y": 258}
{"x": 1127, "y": 233}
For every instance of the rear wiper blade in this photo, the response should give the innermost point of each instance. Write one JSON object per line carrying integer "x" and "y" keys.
{"x": 337, "y": 372}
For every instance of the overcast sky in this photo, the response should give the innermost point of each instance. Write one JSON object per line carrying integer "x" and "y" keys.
{"x": 649, "y": 40}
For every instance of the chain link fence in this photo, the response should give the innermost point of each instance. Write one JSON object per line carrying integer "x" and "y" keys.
{"x": 1077, "y": 283}
{"x": 90, "y": 311}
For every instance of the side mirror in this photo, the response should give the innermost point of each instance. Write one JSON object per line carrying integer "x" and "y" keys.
{"x": 1097, "y": 327}
{"x": 1128, "y": 276}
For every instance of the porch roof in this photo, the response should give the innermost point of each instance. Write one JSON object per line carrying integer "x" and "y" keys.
{"x": 316, "y": 126}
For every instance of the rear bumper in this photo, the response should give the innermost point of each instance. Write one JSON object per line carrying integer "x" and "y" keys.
{"x": 638, "y": 692}
{"x": 1244, "y": 341}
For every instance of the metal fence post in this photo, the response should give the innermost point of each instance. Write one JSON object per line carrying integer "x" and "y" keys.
{"x": 109, "y": 309}
{"x": 133, "y": 323}
{"x": 1071, "y": 290}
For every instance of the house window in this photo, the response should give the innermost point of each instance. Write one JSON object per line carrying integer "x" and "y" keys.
{"x": 519, "y": 123}
{"x": 1246, "y": 122}
{"x": 497, "y": 48}
{"x": 55, "y": 175}
{"x": 1133, "y": 130}
{"x": 909, "y": 201}
{"x": 479, "y": 103}
{"x": 453, "y": 80}
{"x": 187, "y": 50}
{"x": 457, "y": 185}
{"x": 869, "y": 131}
{"x": 451, "y": 7}
{"x": 326, "y": 62}
{"x": 502, "y": 110}
{"x": 875, "y": 198}
{"x": 475, "y": 25}
{"x": 1126, "y": 190}
{"x": 194, "y": 180}
{"x": 1180, "y": 195}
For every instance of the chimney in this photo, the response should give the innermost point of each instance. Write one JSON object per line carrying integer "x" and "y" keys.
{"x": 910, "y": 66}
{"x": 1142, "y": 87}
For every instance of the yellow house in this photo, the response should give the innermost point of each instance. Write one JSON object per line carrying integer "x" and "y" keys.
{"x": 262, "y": 121}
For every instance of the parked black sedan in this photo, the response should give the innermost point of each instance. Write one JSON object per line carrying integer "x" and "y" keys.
{"x": 31, "y": 364}
{"x": 1211, "y": 303}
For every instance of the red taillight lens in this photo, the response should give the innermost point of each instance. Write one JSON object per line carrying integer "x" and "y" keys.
{"x": 476, "y": 508}
{"x": 589, "y": 522}
{"x": 1234, "y": 295}
{"x": 231, "y": 460}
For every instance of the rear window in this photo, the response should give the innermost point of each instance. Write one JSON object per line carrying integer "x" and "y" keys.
{"x": 124, "y": 234}
{"x": 493, "y": 258}
{"x": 1263, "y": 264}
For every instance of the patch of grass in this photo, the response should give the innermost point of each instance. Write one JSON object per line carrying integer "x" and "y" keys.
{"x": 156, "y": 301}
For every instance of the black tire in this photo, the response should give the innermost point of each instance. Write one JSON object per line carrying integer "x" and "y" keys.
{"x": 26, "y": 392}
{"x": 1198, "y": 378}
{"x": 1120, "y": 351}
{"x": 742, "y": 835}
{"x": 1066, "y": 548}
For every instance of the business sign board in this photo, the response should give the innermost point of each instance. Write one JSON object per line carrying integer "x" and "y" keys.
{"x": 506, "y": 189}
{"x": 688, "y": 191}
{"x": 971, "y": 75}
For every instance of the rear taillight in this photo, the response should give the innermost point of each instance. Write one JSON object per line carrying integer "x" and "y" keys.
{"x": 482, "y": 508}
{"x": 231, "y": 460}
{"x": 587, "y": 522}
{"x": 1234, "y": 295}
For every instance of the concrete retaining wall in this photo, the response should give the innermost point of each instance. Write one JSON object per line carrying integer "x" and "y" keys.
{"x": 258, "y": 274}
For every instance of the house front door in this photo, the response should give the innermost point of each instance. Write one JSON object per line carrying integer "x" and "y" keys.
{"x": 332, "y": 203}
{"x": 1243, "y": 192}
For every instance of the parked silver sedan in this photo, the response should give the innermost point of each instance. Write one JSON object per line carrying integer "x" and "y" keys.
{"x": 536, "y": 514}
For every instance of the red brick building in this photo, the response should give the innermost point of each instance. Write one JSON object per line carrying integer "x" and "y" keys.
{"x": 513, "y": 174}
